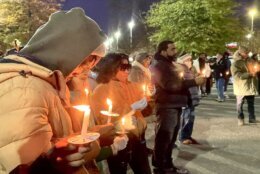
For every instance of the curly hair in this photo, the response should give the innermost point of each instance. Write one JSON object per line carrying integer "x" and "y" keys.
{"x": 109, "y": 65}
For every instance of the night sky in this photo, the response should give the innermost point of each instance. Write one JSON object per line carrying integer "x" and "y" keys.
{"x": 111, "y": 14}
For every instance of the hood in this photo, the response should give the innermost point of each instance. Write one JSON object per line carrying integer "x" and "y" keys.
{"x": 65, "y": 40}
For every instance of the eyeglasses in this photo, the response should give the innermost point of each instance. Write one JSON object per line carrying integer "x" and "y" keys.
{"x": 124, "y": 67}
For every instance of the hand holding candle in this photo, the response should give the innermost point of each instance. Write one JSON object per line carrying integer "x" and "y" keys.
{"x": 204, "y": 73}
{"x": 256, "y": 68}
{"x": 123, "y": 125}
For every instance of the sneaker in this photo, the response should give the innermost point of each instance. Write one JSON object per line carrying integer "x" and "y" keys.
{"x": 194, "y": 141}
{"x": 174, "y": 170}
{"x": 253, "y": 121}
{"x": 240, "y": 122}
{"x": 182, "y": 171}
{"x": 187, "y": 142}
{"x": 220, "y": 100}
{"x": 226, "y": 96}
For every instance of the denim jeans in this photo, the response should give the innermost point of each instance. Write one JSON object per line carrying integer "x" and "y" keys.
{"x": 187, "y": 122}
{"x": 166, "y": 132}
{"x": 220, "y": 84}
{"x": 250, "y": 106}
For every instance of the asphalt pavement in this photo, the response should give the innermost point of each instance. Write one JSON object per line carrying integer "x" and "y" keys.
{"x": 225, "y": 147}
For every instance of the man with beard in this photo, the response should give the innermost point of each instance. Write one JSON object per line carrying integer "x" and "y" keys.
{"x": 171, "y": 95}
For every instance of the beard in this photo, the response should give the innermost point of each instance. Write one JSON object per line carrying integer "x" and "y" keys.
{"x": 172, "y": 58}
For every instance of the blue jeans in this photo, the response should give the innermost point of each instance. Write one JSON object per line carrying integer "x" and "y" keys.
{"x": 187, "y": 122}
{"x": 250, "y": 106}
{"x": 220, "y": 84}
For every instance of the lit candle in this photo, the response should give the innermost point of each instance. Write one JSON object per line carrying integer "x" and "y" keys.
{"x": 110, "y": 107}
{"x": 204, "y": 73}
{"x": 181, "y": 74}
{"x": 144, "y": 89}
{"x": 85, "y": 123}
{"x": 227, "y": 73}
{"x": 123, "y": 124}
{"x": 255, "y": 67}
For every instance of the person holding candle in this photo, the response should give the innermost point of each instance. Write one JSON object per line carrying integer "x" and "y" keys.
{"x": 220, "y": 69}
{"x": 128, "y": 101}
{"x": 110, "y": 143}
{"x": 188, "y": 113}
{"x": 34, "y": 97}
{"x": 245, "y": 84}
{"x": 202, "y": 66}
{"x": 171, "y": 95}
{"x": 141, "y": 74}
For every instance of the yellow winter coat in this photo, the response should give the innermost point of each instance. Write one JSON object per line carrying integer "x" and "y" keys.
{"x": 31, "y": 112}
{"x": 33, "y": 97}
{"x": 122, "y": 96}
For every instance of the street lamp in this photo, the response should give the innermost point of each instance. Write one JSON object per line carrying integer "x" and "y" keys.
{"x": 249, "y": 36}
{"x": 252, "y": 13}
{"x": 117, "y": 36}
{"x": 131, "y": 25}
{"x": 110, "y": 41}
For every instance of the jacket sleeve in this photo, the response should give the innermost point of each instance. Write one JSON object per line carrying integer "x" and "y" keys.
{"x": 25, "y": 129}
{"x": 170, "y": 80}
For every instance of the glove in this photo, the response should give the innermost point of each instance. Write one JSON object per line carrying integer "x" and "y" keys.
{"x": 120, "y": 143}
{"x": 200, "y": 80}
{"x": 139, "y": 105}
{"x": 67, "y": 155}
{"x": 131, "y": 123}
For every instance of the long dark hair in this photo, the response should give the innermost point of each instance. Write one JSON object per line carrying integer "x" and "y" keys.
{"x": 109, "y": 65}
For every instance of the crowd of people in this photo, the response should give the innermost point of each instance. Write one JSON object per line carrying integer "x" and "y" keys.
{"x": 41, "y": 82}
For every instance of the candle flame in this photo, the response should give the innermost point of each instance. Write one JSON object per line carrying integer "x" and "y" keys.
{"x": 227, "y": 73}
{"x": 204, "y": 72}
{"x": 82, "y": 107}
{"x": 144, "y": 87}
{"x": 181, "y": 74}
{"x": 86, "y": 91}
{"x": 109, "y": 102}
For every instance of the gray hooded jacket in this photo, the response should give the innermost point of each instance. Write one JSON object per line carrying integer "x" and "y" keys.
{"x": 65, "y": 40}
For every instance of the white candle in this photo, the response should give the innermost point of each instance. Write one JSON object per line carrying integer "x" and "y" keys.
{"x": 85, "y": 122}
{"x": 123, "y": 124}
{"x": 110, "y": 107}
{"x": 144, "y": 90}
